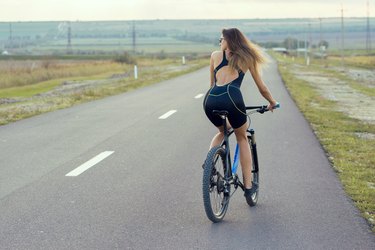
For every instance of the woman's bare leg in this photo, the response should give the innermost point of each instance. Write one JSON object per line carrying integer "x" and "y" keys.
{"x": 218, "y": 138}
{"x": 245, "y": 154}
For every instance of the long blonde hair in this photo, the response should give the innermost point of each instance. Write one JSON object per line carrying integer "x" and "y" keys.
{"x": 244, "y": 54}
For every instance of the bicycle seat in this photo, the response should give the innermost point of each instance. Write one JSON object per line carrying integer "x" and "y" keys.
{"x": 220, "y": 112}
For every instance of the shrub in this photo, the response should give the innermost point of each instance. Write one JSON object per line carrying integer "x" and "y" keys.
{"x": 125, "y": 58}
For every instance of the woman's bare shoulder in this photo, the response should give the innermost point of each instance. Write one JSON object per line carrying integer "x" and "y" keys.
{"x": 216, "y": 53}
{"x": 217, "y": 56}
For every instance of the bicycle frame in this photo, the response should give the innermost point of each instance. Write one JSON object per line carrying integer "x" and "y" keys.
{"x": 231, "y": 171}
{"x": 232, "y": 168}
{"x": 253, "y": 149}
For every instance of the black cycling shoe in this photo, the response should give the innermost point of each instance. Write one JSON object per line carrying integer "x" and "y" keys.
{"x": 252, "y": 190}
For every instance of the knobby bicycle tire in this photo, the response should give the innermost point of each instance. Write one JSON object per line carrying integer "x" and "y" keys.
{"x": 252, "y": 200}
{"x": 215, "y": 200}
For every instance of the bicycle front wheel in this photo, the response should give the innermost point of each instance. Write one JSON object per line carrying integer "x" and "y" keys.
{"x": 253, "y": 199}
{"x": 215, "y": 191}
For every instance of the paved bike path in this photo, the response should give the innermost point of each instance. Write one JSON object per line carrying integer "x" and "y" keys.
{"x": 147, "y": 194}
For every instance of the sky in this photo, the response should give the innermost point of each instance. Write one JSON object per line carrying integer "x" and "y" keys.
{"x": 90, "y": 10}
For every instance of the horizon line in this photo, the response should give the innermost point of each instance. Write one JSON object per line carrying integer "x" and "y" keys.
{"x": 187, "y": 19}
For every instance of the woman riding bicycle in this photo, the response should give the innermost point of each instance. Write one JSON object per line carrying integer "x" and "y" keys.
{"x": 227, "y": 68}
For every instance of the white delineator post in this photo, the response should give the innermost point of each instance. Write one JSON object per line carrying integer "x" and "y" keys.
{"x": 183, "y": 60}
{"x": 135, "y": 72}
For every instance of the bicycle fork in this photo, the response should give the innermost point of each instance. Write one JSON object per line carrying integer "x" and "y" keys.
{"x": 234, "y": 177}
{"x": 254, "y": 151}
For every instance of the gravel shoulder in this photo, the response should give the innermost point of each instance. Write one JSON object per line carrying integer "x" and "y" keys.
{"x": 351, "y": 102}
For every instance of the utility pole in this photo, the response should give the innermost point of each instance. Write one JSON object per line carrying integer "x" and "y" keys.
{"x": 368, "y": 31}
{"x": 310, "y": 44}
{"x": 321, "y": 41}
{"x": 134, "y": 36}
{"x": 320, "y": 31}
{"x": 342, "y": 36}
{"x": 297, "y": 47}
{"x": 310, "y": 37}
{"x": 306, "y": 46}
{"x": 10, "y": 36}
{"x": 69, "y": 46}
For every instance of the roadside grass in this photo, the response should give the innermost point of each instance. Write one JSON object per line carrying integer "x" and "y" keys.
{"x": 15, "y": 74}
{"x": 351, "y": 58}
{"x": 29, "y": 90}
{"x": 150, "y": 72}
{"x": 351, "y": 52}
{"x": 367, "y": 62}
{"x": 42, "y": 87}
{"x": 349, "y": 150}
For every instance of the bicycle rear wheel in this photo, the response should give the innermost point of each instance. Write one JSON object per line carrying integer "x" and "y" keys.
{"x": 253, "y": 199}
{"x": 215, "y": 193}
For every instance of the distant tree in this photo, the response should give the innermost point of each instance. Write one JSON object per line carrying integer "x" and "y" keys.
{"x": 125, "y": 58}
{"x": 302, "y": 44}
{"x": 161, "y": 55}
{"x": 269, "y": 45}
{"x": 195, "y": 38}
{"x": 276, "y": 44}
{"x": 323, "y": 43}
{"x": 290, "y": 43}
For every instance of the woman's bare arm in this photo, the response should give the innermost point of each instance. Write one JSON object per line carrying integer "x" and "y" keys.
{"x": 262, "y": 87}
{"x": 212, "y": 79}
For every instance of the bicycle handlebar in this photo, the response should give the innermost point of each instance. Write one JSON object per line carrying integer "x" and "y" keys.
{"x": 262, "y": 109}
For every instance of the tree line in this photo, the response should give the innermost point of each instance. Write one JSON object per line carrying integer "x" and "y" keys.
{"x": 293, "y": 44}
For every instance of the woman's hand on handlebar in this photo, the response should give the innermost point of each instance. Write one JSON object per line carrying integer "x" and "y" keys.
{"x": 273, "y": 105}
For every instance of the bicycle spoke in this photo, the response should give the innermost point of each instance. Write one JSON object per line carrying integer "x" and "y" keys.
{"x": 215, "y": 200}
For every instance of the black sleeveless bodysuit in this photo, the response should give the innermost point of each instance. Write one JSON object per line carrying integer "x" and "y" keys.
{"x": 226, "y": 97}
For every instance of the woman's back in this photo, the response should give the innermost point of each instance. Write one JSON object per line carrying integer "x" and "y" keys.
{"x": 223, "y": 74}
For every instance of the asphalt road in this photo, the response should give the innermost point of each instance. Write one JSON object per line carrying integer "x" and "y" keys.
{"x": 146, "y": 194}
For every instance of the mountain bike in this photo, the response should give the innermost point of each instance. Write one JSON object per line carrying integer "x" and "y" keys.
{"x": 220, "y": 175}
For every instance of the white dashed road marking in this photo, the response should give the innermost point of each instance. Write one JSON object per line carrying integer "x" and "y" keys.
{"x": 79, "y": 170}
{"x": 198, "y": 96}
{"x": 168, "y": 114}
